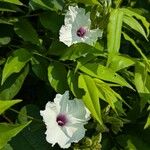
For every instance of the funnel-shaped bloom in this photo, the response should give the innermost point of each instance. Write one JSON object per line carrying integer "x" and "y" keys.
{"x": 77, "y": 28}
{"x": 65, "y": 120}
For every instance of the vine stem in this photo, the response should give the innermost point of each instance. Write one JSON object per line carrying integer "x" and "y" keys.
{"x": 6, "y": 118}
{"x": 29, "y": 117}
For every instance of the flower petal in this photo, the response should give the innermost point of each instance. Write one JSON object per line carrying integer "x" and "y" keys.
{"x": 92, "y": 36}
{"x": 82, "y": 113}
{"x": 65, "y": 35}
{"x": 61, "y": 102}
{"x": 77, "y": 17}
{"x": 56, "y": 135}
{"x": 49, "y": 115}
{"x": 76, "y": 133}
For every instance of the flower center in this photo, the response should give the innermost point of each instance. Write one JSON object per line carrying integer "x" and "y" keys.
{"x": 81, "y": 32}
{"x": 61, "y": 120}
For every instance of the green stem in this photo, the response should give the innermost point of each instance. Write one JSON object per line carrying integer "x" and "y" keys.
{"x": 29, "y": 117}
{"x": 7, "y": 119}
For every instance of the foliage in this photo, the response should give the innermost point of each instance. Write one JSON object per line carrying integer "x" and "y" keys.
{"x": 112, "y": 77}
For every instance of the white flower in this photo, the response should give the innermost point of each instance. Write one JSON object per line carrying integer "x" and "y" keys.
{"x": 77, "y": 28}
{"x": 65, "y": 120}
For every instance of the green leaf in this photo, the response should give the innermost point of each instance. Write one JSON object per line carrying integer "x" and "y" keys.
{"x": 39, "y": 67}
{"x": 57, "y": 76}
{"x": 116, "y": 123}
{"x": 109, "y": 96}
{"x": 101, "y": 72}
{"x": 91, "y": 97}
{"x": 141, "y": 81}
{"x": 7, "y": 32}
{"x": 15, "y": 63}
{"x": 17, "y": 2}
{"x": 140, "y": 77}
{"x": 119, "y": 62}
{"x": 24, "y": 29}
{"x": 134, "y": 24}
{"x": 88, "y": 2}
{"x": 9, "y": 7}
{"x": 131, "y": 13}
{"x": 51, "y": 21}
{"x": 80, "y": 50}
{"x": 33, "y": 137}
{"x": 57, "y": 48}
{"x": 135, "y": 45}
{"x": 7, "y": 131}
{"x": 53, "y": 5}
{"x": 13, "y": 84}
{"x": 132, "y": 142}
{"x": 147, "y": 124}
{"x": 73, "y": 84}
{"x": 7, "y": 147}
{"x": 5, "y": 40}
{"x": 4, "y": 105}
{"x": 114, "y": 31}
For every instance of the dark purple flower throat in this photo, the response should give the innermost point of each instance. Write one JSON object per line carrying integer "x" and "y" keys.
{"x": 81, "y": 32}
{"x": 61, "y": 120}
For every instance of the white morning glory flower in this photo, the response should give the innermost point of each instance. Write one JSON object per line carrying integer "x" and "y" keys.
{"x": 65, "y": 120}
{"x": 77, "y": 28}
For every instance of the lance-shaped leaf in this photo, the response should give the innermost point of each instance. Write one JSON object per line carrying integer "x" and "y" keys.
{"x": 80, "y": 50}
{"x": 114, "y": 31}
{"x": 104, "y": 73}
{"x": 141, "y": 80}
{"x": 89, "y": 2}
{"x": 131, "y": 13}
{"x": 91, "y": 96}
{"x": 110, "y": 96}
{"x": 7, "y": 147}
{"x": 120, "y": 62}
{"x": 53, "y": 5}
{"x": 7, "y": 131}
{"x": 134, "y": 24}
{"x": 128, "y": 38}
{"x": 4, "y": 105}
{"x": 17, "y": 2}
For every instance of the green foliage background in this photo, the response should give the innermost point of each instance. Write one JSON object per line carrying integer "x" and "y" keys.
{"x": 112, "y": 77}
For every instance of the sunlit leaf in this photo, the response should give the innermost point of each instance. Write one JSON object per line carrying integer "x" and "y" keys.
{"x": 33, "y": 136}
{"x": 134, "y": 24}
{"x": 13, "y": 84}
{"x": 15, "y": 63}
{"x": 109, "y": 96}
{"x": 7, "y": 131}
{"x": 136, "y": 46}
{"x": 7, "y": 147}
{"x": 80, "y": 50}
{"x": 99, "y": 71}
{"x": 131, "y": 13}
{"x": 90, "y": 2}
{"x": 53, "y": 5}
{"x": 119, "y": 62}
{"x": 114, "y": 31}
{"x": 91, "y": 96}
{"x": 4, "y": 105}
{"x": 17, "y": 2}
